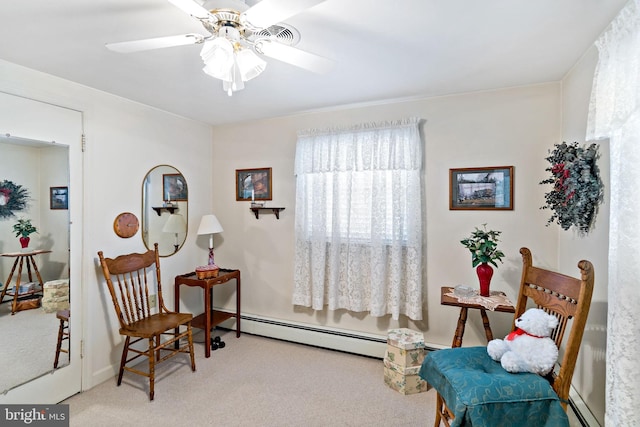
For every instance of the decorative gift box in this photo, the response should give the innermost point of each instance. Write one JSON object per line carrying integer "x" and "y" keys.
{"x": 402, "y": 379}
{"x": 402, "y": 360}
{"x": 55, "y": 296}
{"x": 207, "y": 271}
{"x": 405, "y": 347}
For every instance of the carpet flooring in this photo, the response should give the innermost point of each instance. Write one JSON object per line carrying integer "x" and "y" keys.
{"x": 256, "y": 381}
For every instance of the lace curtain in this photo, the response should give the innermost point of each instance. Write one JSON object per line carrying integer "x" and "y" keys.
{"x": 358, "y": 223}
{"x": 614, "y": 113}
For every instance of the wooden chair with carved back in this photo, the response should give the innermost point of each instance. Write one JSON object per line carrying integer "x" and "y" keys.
{"x": 472, "y": 389}
{"x": 128, "y": 278}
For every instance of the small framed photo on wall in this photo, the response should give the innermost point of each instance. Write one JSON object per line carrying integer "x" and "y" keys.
{"x": 489, "y": 188}
{"x": 59, "y": 197}
{"x": 253, "y": 184}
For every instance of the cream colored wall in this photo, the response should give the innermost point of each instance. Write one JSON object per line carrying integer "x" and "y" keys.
{"x": 497, "y": 128}
{"x": 124, "y": 141}
{"x": 589, "y": 377}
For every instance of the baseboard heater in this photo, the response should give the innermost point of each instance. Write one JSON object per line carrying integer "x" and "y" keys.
{"x": 360, "y": 343}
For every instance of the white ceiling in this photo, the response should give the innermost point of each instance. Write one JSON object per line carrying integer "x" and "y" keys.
{"x": 382, "y": 50}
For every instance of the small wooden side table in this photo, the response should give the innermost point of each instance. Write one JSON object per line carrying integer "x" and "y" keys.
{"x": 462, "y": 319}
{"x": 210, "y": 317}
{"x": 20, "y": 258}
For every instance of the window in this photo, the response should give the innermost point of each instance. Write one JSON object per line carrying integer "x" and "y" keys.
{"x": 359, "y": 219}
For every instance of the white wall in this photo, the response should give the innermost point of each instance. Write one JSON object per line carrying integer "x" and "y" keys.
{"x": 589, "y": 377}
{"x": 498, "y": 128}
{"x": 124, "y": 141}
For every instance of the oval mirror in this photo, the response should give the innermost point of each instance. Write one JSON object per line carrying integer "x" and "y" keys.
{"x": 165, "y": 200}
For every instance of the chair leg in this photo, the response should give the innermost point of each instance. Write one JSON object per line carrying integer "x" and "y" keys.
{"x": 59, "y": 344}
{"x": 191, "y": 353}
{"x": 443, "y": 413}
{"x": 152, "y": 366}
{"x": 438, "y": 410}
{"x": 123, "y": 359}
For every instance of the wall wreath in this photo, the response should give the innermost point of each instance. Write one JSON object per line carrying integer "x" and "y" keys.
{"x": 577, "y": 187}
{"x": 13, "y": 197}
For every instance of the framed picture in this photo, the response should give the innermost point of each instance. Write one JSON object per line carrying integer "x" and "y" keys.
{"x": 174, "y": 188}
{"x": 59, "y": 197}
{"x": 253, "y": 184}
{"x": 489, "y": 188}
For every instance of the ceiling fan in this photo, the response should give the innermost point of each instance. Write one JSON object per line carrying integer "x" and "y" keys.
{"x": 238, "y": 36}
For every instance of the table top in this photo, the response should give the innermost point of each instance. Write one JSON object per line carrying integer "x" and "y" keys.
{"x": 449, "y": 300}
{"x": 191, "y": 279}
{"x": 17, "y": 254}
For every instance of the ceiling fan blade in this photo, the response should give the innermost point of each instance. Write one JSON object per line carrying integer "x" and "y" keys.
{"x": 155, "y": 43}
{"x": 269, "y": 12}
{"x": 190, "y": 7}
{"x": 294, "y": 56}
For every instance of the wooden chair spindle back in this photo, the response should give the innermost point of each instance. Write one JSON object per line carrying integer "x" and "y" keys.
{"x": 566, "y": 298}
{"x": 128, "y": 278}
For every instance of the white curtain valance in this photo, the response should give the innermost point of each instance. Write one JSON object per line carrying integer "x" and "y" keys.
{"x": 372, "y": 146}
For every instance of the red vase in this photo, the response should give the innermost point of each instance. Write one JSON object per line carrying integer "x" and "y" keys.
{"x": 24, "y": 241}
{"x": 484, "y": 271}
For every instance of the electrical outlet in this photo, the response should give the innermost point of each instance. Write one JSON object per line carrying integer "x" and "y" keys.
{"x": 152, "y": 300}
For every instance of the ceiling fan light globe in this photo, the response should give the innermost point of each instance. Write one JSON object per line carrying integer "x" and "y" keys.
{"x": 218, "y": 57}
{"x": 236, "y": 81}
{"x": 250, "y": 64}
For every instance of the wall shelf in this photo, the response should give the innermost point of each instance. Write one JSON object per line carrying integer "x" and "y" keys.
{"x": 276, "y": 211}
{"x": 159, "y": 209}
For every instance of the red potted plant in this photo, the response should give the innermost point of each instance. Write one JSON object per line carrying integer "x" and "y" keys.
{"x": 483, "y": 245}
{"x": 23, "y": 228}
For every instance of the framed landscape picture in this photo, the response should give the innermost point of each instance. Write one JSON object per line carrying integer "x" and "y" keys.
{"x": 488, "y": 188}
{"x": 253, "y": 184}
{"x": 59, "y": 197}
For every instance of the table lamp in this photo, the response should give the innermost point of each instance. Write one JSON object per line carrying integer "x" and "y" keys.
{"x": 209, "y": 224}
{"x": 175, "y": 224}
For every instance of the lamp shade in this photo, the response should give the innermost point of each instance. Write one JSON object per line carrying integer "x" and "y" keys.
{"x": 209, "y": 224}
{"x": 175, "y": 224}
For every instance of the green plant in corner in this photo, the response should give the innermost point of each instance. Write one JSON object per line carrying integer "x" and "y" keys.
{"x": 483, "y": 245}
{"x": 23, "y": 228}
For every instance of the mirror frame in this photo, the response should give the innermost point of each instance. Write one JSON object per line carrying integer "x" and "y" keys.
{"x": 152, "y": 208}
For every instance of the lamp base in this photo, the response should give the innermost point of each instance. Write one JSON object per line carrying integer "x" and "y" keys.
{"x": 211, "y": 262}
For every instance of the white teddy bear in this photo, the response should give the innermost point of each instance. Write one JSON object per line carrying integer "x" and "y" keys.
{"x": 528, "y": 348}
